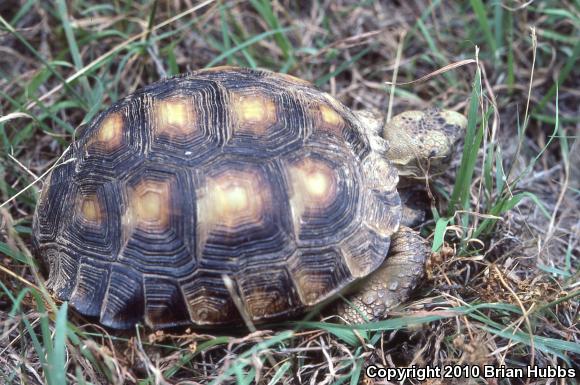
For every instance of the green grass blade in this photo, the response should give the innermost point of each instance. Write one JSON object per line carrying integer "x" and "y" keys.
{"x": 185, "y": 358}
{"x": 225, "y": 31}
{"x": 244, "y": 378}
{"x": 435, "y": 51}
{"x": 72, "y": 43}
{"x": 24, "y": 9}
{"x": 498, "y": 14}
{"x": 243, "y": 45}
{"x": 169, "y": 51}
{"x": 254, "y": 350}
{"x": 343, "y": 332}
{"x": 554, "y": 135}
{"x": 46, "y": 64}
{"x": 500, "y": 177}
{"x": 510, "y": 53}
{"x": 264, "y": 8}
{"x": 280, "y": 373}
{"x": 549, "y": 345}
{"x": 564, "y": 73}
{"x": 251, "y": 62}
{"x": 56, "y": 359}
{"x": 502, "y": 206}
{"x": 342, "y": 67}
{"x": 559, "y": 13}
{"x": 488, "y": 170}
{"x": 8, "y": 293}
{"x": 462, "y": 187}
{"x": 17, "y": 301}
{"x": 481, "y": 14}
{"x": 14, "y": 254}
{"x": 439, "y": 234}
{"x": 554, "y": 271}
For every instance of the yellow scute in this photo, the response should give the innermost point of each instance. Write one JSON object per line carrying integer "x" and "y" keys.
{"x": 174, "y": 116}
{"x": 110, "y": 133}
{"x": 330, "y": 116}
{"x": 90, "y": 209}
{"x": 231, "y": 200}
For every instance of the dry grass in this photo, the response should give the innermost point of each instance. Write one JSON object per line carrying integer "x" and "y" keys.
{"x": 503, "y": 289}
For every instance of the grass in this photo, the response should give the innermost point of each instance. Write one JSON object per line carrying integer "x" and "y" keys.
{"x": 502, "y": 283}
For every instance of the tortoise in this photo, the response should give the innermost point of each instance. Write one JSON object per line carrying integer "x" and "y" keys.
{"x": 232, "y": 183}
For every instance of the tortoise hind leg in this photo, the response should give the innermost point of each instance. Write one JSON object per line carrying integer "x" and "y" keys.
{"x": 392, "y": 283}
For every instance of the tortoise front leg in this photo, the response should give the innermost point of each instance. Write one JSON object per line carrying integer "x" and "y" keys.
{"x": 392, "y": 283}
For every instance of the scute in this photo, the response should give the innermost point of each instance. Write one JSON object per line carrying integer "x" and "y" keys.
{"x": 52, "y": 203}
{"x": 266, "y": 120}
{"x": 158, "y": 220}
{"x": 189, "y": 120}
{"x": 324, "y": 191}
{"x": 91, "y": 220}
{"x": 208, "y": 300}
{"x": 164, "y": 302}
{"x": 318, "y": 272}
{"x": 267, "y": 295}
{"x": 90, "y": 291}
{"x": 124, "y": 303}
{"x": 227, "y": 173}
{"x": 113, "y": 142}
{"x": 241, "y": 203}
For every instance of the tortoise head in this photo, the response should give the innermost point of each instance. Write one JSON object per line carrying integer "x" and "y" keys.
{"x": 418, "y": 141}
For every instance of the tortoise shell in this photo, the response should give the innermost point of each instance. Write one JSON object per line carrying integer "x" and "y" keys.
{"x": 248, "y": 174}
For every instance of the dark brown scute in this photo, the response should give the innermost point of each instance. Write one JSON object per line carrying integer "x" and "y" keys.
{"x": 91, "y": 289}
{"x": 124, "y": 304}
{"x": 164, "y": 302}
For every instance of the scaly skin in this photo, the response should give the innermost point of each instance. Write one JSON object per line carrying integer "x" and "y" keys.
{"x": 391, "y": 284}
{"x": 417, "y": 140}
{"x": 415, "y": 137}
